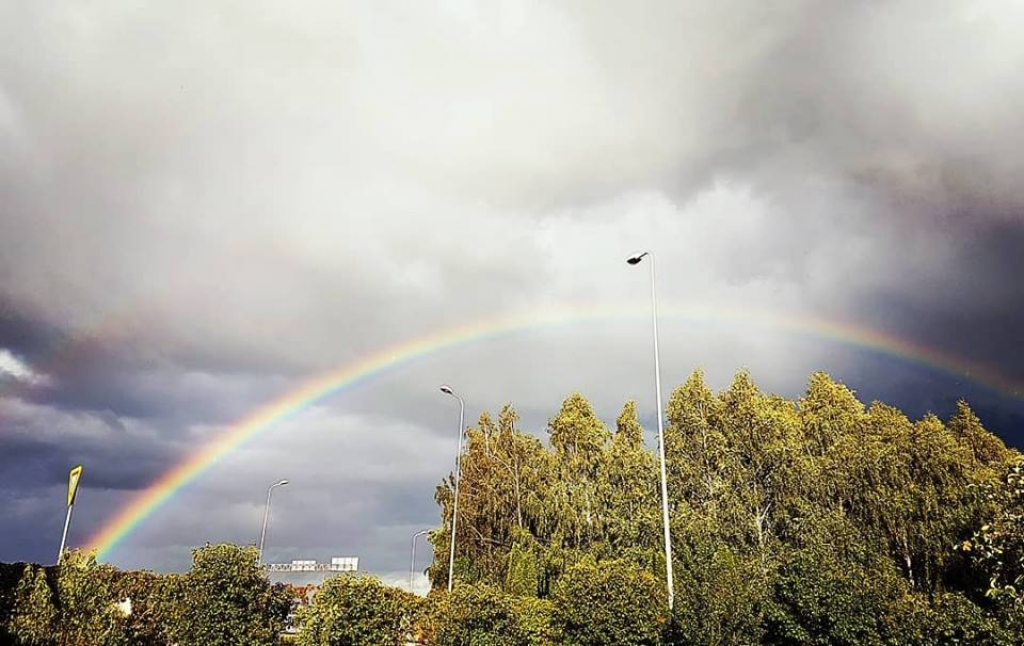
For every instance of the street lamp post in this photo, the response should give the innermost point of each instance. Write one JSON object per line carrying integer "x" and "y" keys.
{"x": 633, "y": 260}
{"x": 458, "y": 476}
{"x": 266, "y": 516}
{"x": 412, "y": 561}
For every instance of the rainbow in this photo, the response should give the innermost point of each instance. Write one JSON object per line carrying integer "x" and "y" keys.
{"x": 146, "y": 503}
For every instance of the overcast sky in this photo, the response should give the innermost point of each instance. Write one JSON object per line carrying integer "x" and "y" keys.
{"x": 205, "y": 204}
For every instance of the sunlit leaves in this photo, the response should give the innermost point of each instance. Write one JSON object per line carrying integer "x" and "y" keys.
{"x": 611, "y": 603}
{"x": 226, "y": 599}
{"x": 786, "y": 515}
{"x": 357, "y": 611}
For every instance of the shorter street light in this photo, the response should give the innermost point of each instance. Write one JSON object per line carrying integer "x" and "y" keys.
{"x": 266, "y": 516}
{"x": 446, "y": 389}
{"x": 412, "y": 561}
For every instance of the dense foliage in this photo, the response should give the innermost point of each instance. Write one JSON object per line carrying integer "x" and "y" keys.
{"x": 475, "y": 615}
{"x": 71, "y": 604}
{"x": 357, "y": 611}
{"x": 815, "y": 521}
{"x": 224, "y": 599}
{"x": 614, "y": 604}
{"x": 11, "y": 574}
{"x": 998, "y": 546}
{"x": 34, "y": 616}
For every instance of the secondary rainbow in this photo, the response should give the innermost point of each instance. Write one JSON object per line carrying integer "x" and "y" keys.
{"x": 133, "y": 514}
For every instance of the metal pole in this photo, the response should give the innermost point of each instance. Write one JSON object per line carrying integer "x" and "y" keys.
{"x": 661, "y": 445}
{"x": 661, "y": 430}
{"x": 412, "y": 562}
{"x": 266, "y": 516}
{"x": 458, "y": 476}
{"x": 64, "y": 536}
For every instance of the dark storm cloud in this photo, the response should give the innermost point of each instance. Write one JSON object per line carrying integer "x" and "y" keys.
{"x": 203, "y": 205}
{"x": 23, "y": 335}
{"x": 972, "y": 306}
{"x": 41, "y": 444}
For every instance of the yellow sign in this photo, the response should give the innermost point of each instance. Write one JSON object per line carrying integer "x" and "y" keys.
{"x": 73, "y": 478}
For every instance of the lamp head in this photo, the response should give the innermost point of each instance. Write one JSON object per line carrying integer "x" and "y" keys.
{"x": 283, "y": 482}
{"x": 636, "y": 258}
{"x": 446, "y": 389}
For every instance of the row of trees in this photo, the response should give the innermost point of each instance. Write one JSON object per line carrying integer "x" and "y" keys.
{"x": 815, "y": 521}
{"x": 819, "y": 520}
{"x": 225, "y": 599}
{"x": 590, "y": 605}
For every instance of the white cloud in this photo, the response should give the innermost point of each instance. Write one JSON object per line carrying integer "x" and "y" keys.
{"x": 13, "y": 367}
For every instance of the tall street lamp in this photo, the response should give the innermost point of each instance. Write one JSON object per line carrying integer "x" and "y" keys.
{"x": 266, "y": 515}
{"x": 412, "y": 561}
{"x": 458, "y": 476}
{"x": 633, "y": 260}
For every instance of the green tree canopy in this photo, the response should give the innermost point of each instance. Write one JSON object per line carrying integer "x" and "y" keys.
{"x": 34, "y": 621}
{"x": 781, "y": 510}
{"x": 226, "y": 599}
{"x": 476, "y": 615}
{"x": 357, "y": 611}
{"x": 611, "y": 603}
